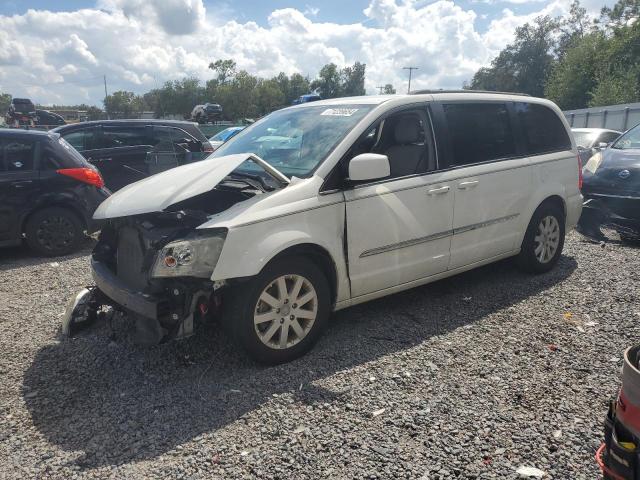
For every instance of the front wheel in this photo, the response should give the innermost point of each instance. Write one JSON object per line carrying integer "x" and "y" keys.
{"x": 544, "y": 239}
{"x": 279, "y": 314}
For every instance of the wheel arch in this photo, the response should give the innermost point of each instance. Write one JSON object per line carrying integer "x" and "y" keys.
{"x": 320, "y": 256}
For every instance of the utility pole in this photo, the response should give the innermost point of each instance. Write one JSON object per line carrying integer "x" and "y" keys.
{"x": 381, "y": 89}
{"x": 411, "y": 69}
{"x": 105, "y": 96}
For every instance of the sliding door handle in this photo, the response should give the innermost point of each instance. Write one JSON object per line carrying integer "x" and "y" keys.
{"x": 470, "y": 184}
{"x": 438, "y": 191}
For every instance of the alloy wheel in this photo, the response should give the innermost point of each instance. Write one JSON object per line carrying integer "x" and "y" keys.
{"x": 55, "y": 233}
{"x": 547, "y": 239}
{"x": 286, "y": 311}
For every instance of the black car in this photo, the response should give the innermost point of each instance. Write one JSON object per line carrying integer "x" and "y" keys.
{"x": 209, "y": 112}
{"x": 126, "y": 151}
{"x": 48, "y": 192}
{"x": 45, "y": 118}
{"x": 611, "y": 188}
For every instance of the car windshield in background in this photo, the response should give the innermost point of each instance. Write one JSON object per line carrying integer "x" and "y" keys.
{"x": 297, "y": 140}
{"x": 584, "y": 139}
{"x": 630, "y": 140}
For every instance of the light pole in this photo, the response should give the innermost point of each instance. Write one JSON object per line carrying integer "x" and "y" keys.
{"x": 381, "y": 89}
{"x": 411, "y": 69}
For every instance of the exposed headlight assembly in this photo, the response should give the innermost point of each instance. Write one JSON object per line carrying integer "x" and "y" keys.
{"x": 193, "y": 256}
{"x": 593, "y": 163}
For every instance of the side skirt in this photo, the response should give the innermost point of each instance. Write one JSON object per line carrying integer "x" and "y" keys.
{"x": 421, "y": 281}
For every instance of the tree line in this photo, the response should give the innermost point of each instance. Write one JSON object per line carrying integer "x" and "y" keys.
{"x": 241, "y": 94}
{"x": 576, "y": 61}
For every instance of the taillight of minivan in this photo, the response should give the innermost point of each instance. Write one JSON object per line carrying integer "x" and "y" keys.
{"x": 85, "y": 175}
{"x": 580, "y": 178}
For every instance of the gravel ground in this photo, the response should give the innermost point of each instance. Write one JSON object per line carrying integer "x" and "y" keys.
{"x": 470, "y": 377}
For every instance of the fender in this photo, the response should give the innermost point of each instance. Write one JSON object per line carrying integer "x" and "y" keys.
{"x": 247, "y": 249}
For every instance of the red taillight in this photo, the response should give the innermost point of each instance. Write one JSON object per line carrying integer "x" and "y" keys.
{"x": 86, "y": 175}
{"x": 207, "y": 147}
{"x": 579, "y": 173}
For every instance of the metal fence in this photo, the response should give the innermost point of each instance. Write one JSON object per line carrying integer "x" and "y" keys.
{"x": 616, "y": 117}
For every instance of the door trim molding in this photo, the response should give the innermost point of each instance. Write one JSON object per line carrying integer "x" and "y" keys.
{"x": 436, "y": 236}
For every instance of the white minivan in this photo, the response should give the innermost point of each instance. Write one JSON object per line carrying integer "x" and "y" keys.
{"x": 325, "y": 205}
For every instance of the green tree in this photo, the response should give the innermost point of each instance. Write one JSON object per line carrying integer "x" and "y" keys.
{"x": 352, "y": 80}
{"x": 123, "y": 104}
{"x": 328, "y": 81}
{"x": 225, "y": 69}
{"x": 388, "y": 89}
{"x": 5, "y": 101}
{"x": 575, "y": 76}
{"x": 524, "y": 65}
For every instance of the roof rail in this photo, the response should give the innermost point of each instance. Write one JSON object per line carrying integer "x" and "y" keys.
{"x": 419, "y": 92}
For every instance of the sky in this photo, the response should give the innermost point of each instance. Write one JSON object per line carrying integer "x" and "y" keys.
{"x": 58, "y": 52}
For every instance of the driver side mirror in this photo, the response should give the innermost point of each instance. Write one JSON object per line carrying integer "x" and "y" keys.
{"x": 369, "y": 166}
{"x": 602, "y": 145}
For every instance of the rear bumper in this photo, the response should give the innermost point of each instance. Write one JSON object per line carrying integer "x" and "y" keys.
{"x": 115, "y": 289}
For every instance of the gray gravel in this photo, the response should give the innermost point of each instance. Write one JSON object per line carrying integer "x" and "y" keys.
{"x": 470, "y": 377}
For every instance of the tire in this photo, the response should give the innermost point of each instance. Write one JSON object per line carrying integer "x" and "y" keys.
{"x": 264, "y": 341}
{"x": 54, "y": 231}
{"x": 531, "y": 258}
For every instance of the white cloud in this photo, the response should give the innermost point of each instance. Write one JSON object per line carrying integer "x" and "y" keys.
{"x": 139, "y": 44}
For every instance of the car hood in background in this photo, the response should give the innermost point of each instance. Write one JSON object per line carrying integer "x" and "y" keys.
{"x": 618, "y": 173}
{"x": 156, "y": 193}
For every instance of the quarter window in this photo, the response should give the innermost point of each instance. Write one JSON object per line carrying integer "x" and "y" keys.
{"x": 80, "y": 139}
{"x": 543, "y": 131}
{"x": 479, "y": 132}
{"x": 18, "y": 155}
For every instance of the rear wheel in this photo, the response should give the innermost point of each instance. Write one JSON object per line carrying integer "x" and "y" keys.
{"x": 54, "y": 231}
{"x": 279, "y": 314}
{"x": 544, "y": 239}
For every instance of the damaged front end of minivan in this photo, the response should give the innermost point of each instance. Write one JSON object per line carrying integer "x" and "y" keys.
{"x": 153, "y": 261}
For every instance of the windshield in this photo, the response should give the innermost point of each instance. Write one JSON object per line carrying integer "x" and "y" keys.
{"x": 225, "y": 134}
{"x": 629, "y": 140}
{"x": 297, "y": 140}
{"x": 584, "y": 139}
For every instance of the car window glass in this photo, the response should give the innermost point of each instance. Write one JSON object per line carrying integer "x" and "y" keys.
{"x": 19, "y": 155}
{"x": 113, "y": 137}
{"x": 543, "y": 130}
{"x": 403, "y": 138}
{"x": 76, "y": 139}
{"x": 629, "y": 140}
{"x": 479, "y": 132}
{"x": 608, "y": 137}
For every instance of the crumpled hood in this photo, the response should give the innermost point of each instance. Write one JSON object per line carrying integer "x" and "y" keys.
{"x": 162, "y": 190}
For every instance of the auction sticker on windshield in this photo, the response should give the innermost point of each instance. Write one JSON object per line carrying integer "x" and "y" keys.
{"x": 339, "y": 112}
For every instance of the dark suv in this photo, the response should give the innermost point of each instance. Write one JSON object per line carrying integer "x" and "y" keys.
{"x": 48, "y": 192}
{"x": 126, "y": 151}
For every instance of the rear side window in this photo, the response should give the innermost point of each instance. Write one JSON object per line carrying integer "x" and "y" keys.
{"x": 543, "y": 131}
{"x": 479, "y": 132}
{"x": 113, "y": 137}
{"x": 80, "y": 139}
{"x": 18, "y": 155}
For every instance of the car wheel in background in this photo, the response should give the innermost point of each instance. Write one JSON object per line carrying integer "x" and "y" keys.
{"x": 54, "y": 231}
{"x": 279, "y": 315}
{"x": 544, "y": 239}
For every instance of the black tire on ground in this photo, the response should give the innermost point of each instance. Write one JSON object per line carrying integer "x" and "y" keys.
{"x": 630, "y": 239}
{"x": 528, "y": 260}
{"x": 242, "y": 301}
{"x": 54, "y": 231}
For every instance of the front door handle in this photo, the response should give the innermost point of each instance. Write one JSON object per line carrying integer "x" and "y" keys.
{"x": 438, "y": 191}
{"x": 465, "y": 185}
{"x": 21, "y": 183}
